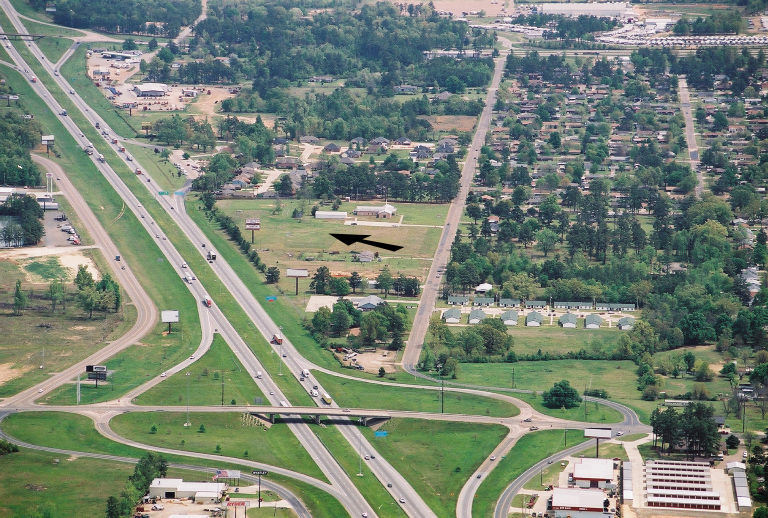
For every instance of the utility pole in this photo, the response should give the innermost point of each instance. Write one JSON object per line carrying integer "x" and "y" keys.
{"x": 442, "y": 396}
{"x": 222, "y": 388}
{"x": 187, "y": 424}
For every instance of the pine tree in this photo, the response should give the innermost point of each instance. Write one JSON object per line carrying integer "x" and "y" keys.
{"x": 19, "y": 299}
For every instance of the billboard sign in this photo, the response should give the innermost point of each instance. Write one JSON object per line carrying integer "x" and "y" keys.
{"x": 95, "y": 368}
{"x": 253, "y": 224}
{"x": 170, "y": 316}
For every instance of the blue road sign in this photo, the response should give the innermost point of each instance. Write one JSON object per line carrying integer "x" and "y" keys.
{"x": 179, "y": 193}
{"x": 381, "y": 433}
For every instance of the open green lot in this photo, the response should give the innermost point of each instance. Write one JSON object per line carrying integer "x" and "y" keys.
{"x": 160, "y": 170}
{"x": 358, "y": 394}
{"x": 595, "y": 413}
{"x": 51, "y": 30}
{"x": 616, "y": 377}
{"x": 217, "y": 369}
{"x": 529, "y": 450}
{"x": 558, "y": 340}
{"x": 417, "y": 449}
{"x": 54, "y": 48}
{"x": 276, "y": 445}
{"x": 57, "y": 339}
{"x": 550, "y": 476}
{"x": 255, "y": 512}
{"x": 23, "y": 8}
{"x": 307, "y": 244}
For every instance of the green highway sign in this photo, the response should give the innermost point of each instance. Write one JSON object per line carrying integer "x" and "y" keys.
{"x": 162, "y": 193}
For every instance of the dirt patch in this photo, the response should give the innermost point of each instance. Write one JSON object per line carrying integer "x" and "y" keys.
{"x": 457, "y": 7}
{"x": 451, "y": 122}
{"x": 9, "y": 372}
{"x": 372, "y": 361}
{"x": 35, "y": 487}
{"x": 69, "y": 258}
{"x": 81, "y": 328}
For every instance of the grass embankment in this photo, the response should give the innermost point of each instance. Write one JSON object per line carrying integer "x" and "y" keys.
{"x": 349, "y": 460}
{"x": 358, "y": 394}
{"x": 23, "y": 8}
{"x": 54, "y": 48}
{"x": 596, "y": 413}
{"x": 275, "y": 445}
{"x": 529, "y": 450}
{"x": 160, "y": 170}
{"x": 217, "y": 376}
{"x": 76, "y": 432}
{"x": 530, "y": 340}
{"x": 137, "y": 248}
{"x": 417, "y": 449}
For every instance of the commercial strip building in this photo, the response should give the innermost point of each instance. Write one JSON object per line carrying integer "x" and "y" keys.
{"x": 680, "y": 485}
{"x": 570, "y": 502}
{"x": 201, "y": 492}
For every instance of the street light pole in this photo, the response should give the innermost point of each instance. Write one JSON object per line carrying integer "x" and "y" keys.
{"x": 187, "y": 424}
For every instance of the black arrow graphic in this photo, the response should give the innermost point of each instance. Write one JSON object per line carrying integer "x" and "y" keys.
{"x": 349, "y": 239}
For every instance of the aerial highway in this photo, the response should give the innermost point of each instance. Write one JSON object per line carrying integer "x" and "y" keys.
{"x": 352, "y": 500}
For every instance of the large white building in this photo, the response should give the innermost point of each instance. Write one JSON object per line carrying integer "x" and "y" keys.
{"x": 607, "y": 9}
{"x": 201, "y": 492}
{"x": 593, "y": 473}
{"x": 578, "y": 503}
{"x": 150, "y": 90}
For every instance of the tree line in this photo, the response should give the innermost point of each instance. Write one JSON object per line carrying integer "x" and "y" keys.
{"x": 720, "y": 22}
{"x": 148, "y": 468}
{"x": 17, "y": 137}
{"x": 103, "y": 295}
{"x": 161, "y": 17}
{"x": 693, "y": 430}
{"x": 26, "y": 228}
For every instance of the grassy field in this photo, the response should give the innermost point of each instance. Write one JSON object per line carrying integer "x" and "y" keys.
{"x": 596, "y": 413}
{"x": 74, "y": 71}
{"x": 529, "y": 450}
{"x": 255, "y": 512}
{"x": 607, "y": 451}
{"x": 276, "y": 445}
{"x": 616, "y": 377}
{"x": 76, "y": 432}
{"x": 160, "y": 170}
{"x": 53, "y": 31}
{"x": 417, "y": 449}
{"x": 23, "y": 8}
{"x": 54, "y": 48}
{"x": 548, "y": 477}
{"x": 66, "y": 336}
{"x": 206, "y": 376}
{"x": 631, "y": 437}
{"x": 555, "y": 339}
{"x": 348, "y": 458}
{"x": 357, "y": 394}
{"x": 307, "y": 244}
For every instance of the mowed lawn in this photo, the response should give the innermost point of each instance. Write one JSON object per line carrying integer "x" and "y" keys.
{"x": 557, "y": 340}
{"x": 529, "y": 450}
{"x": 217, "y": 369}
{"x": 289, "y": 242}
{"x": 276, "y": 445}
{"x": 617, "y": 377}
{"x": 358, "y": 394}
{"x": 436, "y": 457}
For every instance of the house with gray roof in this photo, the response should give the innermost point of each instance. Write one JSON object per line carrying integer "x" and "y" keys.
{"x": 509, "y": 303}
{"x": 483, "y": 301}
{"x": 593, "y": 321}
{"x": 476, "y": 315}
{"x": 452, "y": 316}
{"x": 459, "y": 300}
{"x": 626, "y": 323}
{"x": 533, "y": 319}
{"x": 535, "y": 304}
{"x": 568, "y": 320}
{"x": 370, "y": 302}
{"x": 509, "y": 317}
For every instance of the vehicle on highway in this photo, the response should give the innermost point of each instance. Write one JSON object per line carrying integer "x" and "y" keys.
{"x": 313, "y": 393}
{"x": 207, "y": 302}
{"x": 493, "y": 457}
{"x": 389, "y": 484}
{"x": 619, "y": 434}
{"x": 63, "y": 113}
{"x": 402, "y": 500}
{"x": 163, "y": 374}
{"x": 533, "y": 428}
{"x": 326, "y": 398}
{"x": 347, "y": 411}
{"x": 479, "y": 475}
{"x": 183, "y": 265}
{"x": 527, "y": 420}
{"x": 277, "y": 338}
{"x": 192, "y": 357}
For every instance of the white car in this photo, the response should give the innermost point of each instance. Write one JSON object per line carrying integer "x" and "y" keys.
{"x": 192, "y": 357}
{"x": 745, "y": 454}
{"x": 183, "y": 265}
{"x": 163, "y": 375}
{"x": 493, "y": 457}
{"x": 402, "y": 500}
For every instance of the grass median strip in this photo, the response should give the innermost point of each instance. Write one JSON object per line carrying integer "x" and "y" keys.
{"x": 358, "y": 394}
{"x": 417, "y": 449}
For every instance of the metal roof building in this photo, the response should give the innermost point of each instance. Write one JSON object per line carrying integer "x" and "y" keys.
{"x": 680, "y": 485}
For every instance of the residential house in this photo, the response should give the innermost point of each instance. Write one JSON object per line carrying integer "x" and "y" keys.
{"x": 406, "y": 89}
{"x": 593, "y": 321}
{"x": 533, "y": 319}
{"x": 509, "y": 303}
{"x": 384, "y": 211}
{"x": 370, "y": 302}
{"x": 309, "y": 139}
{"x": 626, "y": 323}
{"x": 366, "y": 256}
{"x": 476, "y": 315}
{"x": 535, "y": 304}
{"x": 483, "y": 301}
{"x": 567, "y": 320}
{"x": 331, "y": 147}
{"x": 460, "y": 300}
{"x": 452, "y": 316}
{"x": 509, "y": 317}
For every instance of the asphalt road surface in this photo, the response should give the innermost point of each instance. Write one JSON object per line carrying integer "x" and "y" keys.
{"x": 690, "y": 134}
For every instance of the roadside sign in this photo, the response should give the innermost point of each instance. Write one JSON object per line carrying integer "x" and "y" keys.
{"x": 260, "y": 473}
{"x": 381, "y": 433}
{"x": 179, "y": 193}
{"x": 162, "y": 193}
{"x": 49, "y": 175}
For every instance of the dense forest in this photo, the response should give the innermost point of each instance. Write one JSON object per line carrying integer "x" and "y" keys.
{"x": 17, "y": 136}
{"x": 272, "y": 45}
{"x": 26, "y": 228}
{"x": 719, "y": 23}
{"x": 160, "y": 17}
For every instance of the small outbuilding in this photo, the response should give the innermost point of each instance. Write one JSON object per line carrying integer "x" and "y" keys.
{"x": 483, "y": 288}
{"x": 626, "y": 323}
